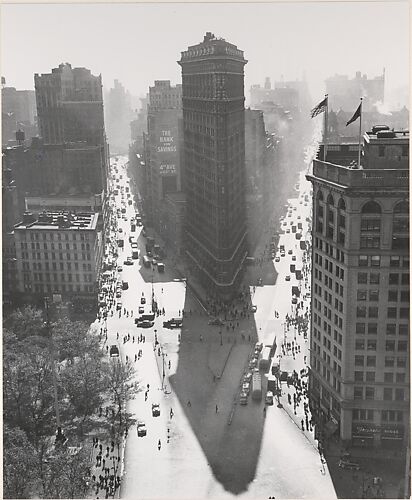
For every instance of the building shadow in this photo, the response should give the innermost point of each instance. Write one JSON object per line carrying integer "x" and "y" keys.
{"x": 207, "y": 382}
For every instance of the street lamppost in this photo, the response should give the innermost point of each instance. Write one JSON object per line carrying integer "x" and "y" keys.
{"x": 221, "y": 341}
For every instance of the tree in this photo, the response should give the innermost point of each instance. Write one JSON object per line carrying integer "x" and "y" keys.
{"x": 26, "y": 322}
{"x": 19, "y": 462}
{"x": 121, "y": 386}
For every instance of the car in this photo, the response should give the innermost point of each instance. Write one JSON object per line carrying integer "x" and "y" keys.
{"x": 119, "y": 306}
{"x": 114, "y": 350}
{"x": 144, "y": 323}
{"x": 154, "y": 261}
{"x": 258, "y": 346}
{"x": 294, "y": 300}
{"x": 127, "y": 263}
{"x": 141, "y": 429}
{"x": 282, "y": 254}
{"x": 290, "y": 252}
{"x": 243, "y": 398}
{"x": 246, "y": 387}
{"x": 120, "y": 269}
{"x": 141, "y": 309}
{"x": 269, "y": 398}
{"x": 118, "y": 294}
{"x": 290, "y": 214}
{"x": 259, "y": 282}
{"x": 247, "y": 377}
{"x": 143, "y": 300}
{"x": 277, "y": 259}
{"x": 216, "y": 322}
{"x": 120, "y": 230}
{"x": 173, "y": 323}
{"x": 288, "y": 230}
{"x": 299, "y": 216}
{"x": 130, "y": 261}
{"x": 293, "y": 258}
{"x": 287, "y": 277}
{"x": 252, "y": 363}
{"x": 253, "y": 309}
{"x": 155, "y": 410}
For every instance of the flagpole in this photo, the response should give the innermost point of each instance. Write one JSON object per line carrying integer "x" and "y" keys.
{"x": 325, "y": 131}
{"x": 360, "y": 132}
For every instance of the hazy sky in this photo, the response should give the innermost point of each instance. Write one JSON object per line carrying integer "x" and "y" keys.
{"x": 140, "y": 43}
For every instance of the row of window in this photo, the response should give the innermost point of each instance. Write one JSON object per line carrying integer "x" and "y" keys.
{"x": 37, "y": 266}
{"x": 337, "y": 337}
{"x": 336, "y": 253}
{"x": 390, "y": 345}
{"x": 40, "y": 288}
{"x": 61, "y": 256}
{"x": 72, "y": 236}
{"x": 369, "y": 393}
{"x": 46, "y": 246}
{"x": 391, "y": 328}
{"x": 54, "y": 277}
{"x": 369, "y": 415}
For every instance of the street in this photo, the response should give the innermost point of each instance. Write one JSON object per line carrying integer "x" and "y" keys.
{"x": 210, "y": 446}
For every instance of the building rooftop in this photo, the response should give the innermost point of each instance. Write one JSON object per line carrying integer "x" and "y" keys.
{"x": 52, "y": 221}
{"x": 212, "y": 46}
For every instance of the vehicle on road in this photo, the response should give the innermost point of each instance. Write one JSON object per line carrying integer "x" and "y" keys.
{"x": 120, "y": 269}
{"x": 216, "y": 322}
{"x": 277, "y": 259}
{"x": 135, "y": 253}
{"x": 294, "y": 300}
{"x": 243, "y": 398}
{"x": 252, "y": 363}
{"x": 114, "y": 351}
{"x": 141, "y": 309}
{"x": 246, "y": 387}
{"x": 147, "y": 315}
{"x": 290, "y": 252}
{"x": 288, "y": 230}
{"x": 160, "y": 267}
{"x": 173, "y": 323}
{"x": 143, "y": 300}
{"x": 144, "y": 323}
{"x": 119, "y": 306}
{"x": 253, "y": 309}
{"x": 247, "y": 377}
{"x": 259, "y": 282}
{"x": 265, "y": 358}
{"x": 256, "y": 386}
{"x": 269, "y": 398}
{"x": 348, "y": 464}
{"x": 155, "y": 410}
{"x": 118, "y": 294}
{"x": 120, "y": 243}
{"x": 287, "y": 277}
{"x": 258, "y": 346}
{"x": 294, "y": 258}
{"x": 146, "y": 261}
{"x": 125, "y": 285}
{"x": 141, "y": 429}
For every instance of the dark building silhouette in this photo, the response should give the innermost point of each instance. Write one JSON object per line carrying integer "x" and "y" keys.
{"x": 214, "y": 161}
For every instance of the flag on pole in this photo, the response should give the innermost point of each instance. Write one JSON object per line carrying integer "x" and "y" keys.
{"x": 356, "y": 115}
{"x": 320, "y": 108}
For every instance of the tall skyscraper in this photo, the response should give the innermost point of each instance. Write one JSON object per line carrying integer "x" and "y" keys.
{"x": 359, "y": 377}
{"x": 214, "y": 161}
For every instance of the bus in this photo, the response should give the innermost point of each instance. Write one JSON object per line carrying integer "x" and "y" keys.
{"x": 146, "y": 261}
{"x": 256, "y": 386}
{"x": 264, "y": 362}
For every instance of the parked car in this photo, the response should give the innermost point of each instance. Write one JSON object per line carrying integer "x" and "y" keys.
{"x": 143, "y": 300}
{"x": 290, "y": 252}
{"x": 246, "y": 387}
{"x": 269, "y": 398}
{"x": 294, "y": 300}
{"x": 144, "y": 323}
{"x": 141, "y": 429}
{"x": 173, "y": 323}
{"x": 141, "y": 309}
{"x": 243, "y": 398}
{"x": 294, "y": 258}
{"x": 114, "y": 350}
{"x": 155, "y": 410}
{"x": 253, "y": 309}
{"x": 118, "y": 294}
{"x": 287, "y": 278}
{"x": 277, "y": 259}
{"x": 258, "y": 346}
{"x": 119, "y": 306}
{"x": 120, "y": 269}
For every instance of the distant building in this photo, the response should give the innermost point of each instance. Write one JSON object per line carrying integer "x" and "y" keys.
{"x": 359, "y": 365}
{"x": 293, "y": 96}
{"x": 214, "y": 162}
{"x": 59, "y": 253}
{"x": 18, "y": 110}
{"x": 345, "y": 93}
{"x": 118, "y": 117}
{"x": 162, "y": 148}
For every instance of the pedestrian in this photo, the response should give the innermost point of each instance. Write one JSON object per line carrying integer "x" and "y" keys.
{"x": 302, "y": 423}
{"x": 171, "y": 413}
{"x": 216, "y": 409}
{"x": 159, "y": 445}
{"x": 189, "y": 403}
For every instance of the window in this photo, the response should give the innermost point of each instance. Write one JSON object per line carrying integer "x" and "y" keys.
{"x": 370, "y": 242}
{"x": 370, "y": 376}
{"x": 360, "y": 328}
{"x": 392, "y": 312}
{"x": 392, "y": 295}
{"x": 362, "y": 278}
{"x": 371, "y": 207}
{"x": 374, "y": 279}
{"x": 373, "y": 312}
{"x": 389, "y": 361}
{"x": 369, "y": 393}
{"x": 381, "y": 151}
{"x": 387, "y": 393}
{"x": 358, "y": 376}
{"x": 370, "y": 361}
{"x": 359, "y": 360}
{"x": 363, "y": 261}
{"x": 375, "y": 261}
{"x": 405, "y": 279}
{"x": 404, "y": 312}
{"x": 371, "y": 225}
{"x": 361, "y": 312}
{"x": 402, "y": 345}
{"x": 390, "y": 329}
{"x": 358, "y": 392}
{"x": 361, "y": 295}
{"x": 405, "y": 296}
{"x": 401, "y": 362}
{"x": 374, "y": 295}
{"x": 394, "y": 261}
{"x": 390, "y": 345}
{"x": 403, "y": 330}
{"x": 371, "y": 345}
{"x": 400, "y": 378}
{"x": 359, "y": 344}
{"x": 388, "y": 377}
{"x": 393, "y": 278}
{"x": 372, "y": 328}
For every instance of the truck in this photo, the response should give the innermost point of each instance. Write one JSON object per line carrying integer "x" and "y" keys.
{"x": 292, "y": 268}
{"x": 295, "y": 291}
{"x": 293, "y": 229}
{"x": 257, "y": 386}
{"x": 302, "y": 244}
{"x": 298, "y": 274}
